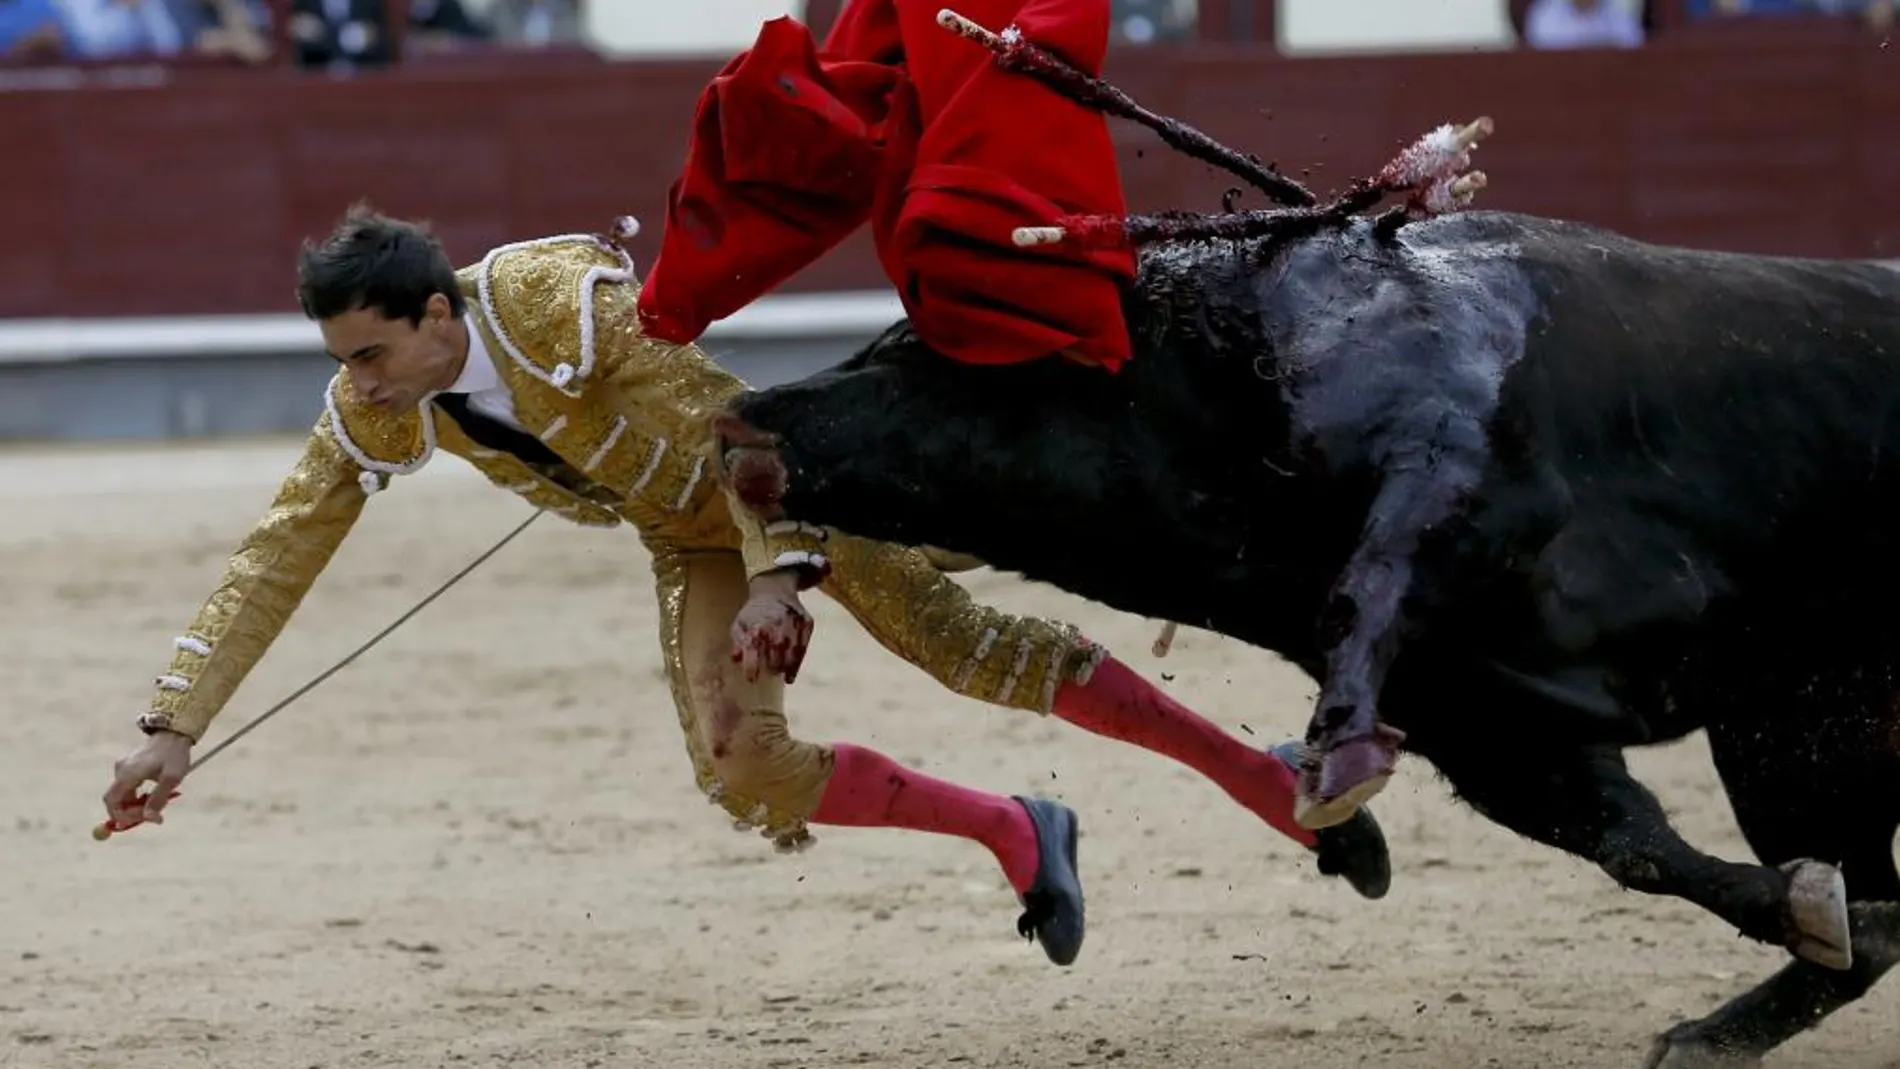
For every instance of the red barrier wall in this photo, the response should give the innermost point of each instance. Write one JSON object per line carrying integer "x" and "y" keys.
{"x": 191, "y": 196}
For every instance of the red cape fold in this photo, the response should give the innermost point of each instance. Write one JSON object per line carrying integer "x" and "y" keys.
{"x": 902, "y": 123}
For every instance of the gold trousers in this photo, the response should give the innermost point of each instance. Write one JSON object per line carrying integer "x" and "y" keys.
{"x": 743, "y": 753}
{"x": 744, "y": 757}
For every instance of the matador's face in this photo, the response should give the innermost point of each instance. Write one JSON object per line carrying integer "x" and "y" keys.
{"x": 394, "y": 363}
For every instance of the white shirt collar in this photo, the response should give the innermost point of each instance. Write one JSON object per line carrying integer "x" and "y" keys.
{"x": 478, "y": 370}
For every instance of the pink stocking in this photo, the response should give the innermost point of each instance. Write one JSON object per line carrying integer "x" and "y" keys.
{"x": 869, "y": 790}
{"x": 1119, "y": 704}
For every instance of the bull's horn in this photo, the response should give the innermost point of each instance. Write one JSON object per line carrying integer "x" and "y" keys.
{"x": 1026, "y": 236}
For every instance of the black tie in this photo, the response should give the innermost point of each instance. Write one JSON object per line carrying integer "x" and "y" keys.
{"x": 491, "y": 432}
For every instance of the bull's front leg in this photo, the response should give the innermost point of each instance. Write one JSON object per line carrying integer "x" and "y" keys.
{"x": 1351, "y": 753}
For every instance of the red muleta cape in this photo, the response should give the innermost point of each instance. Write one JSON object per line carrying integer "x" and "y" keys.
{"x": 911, "y": 126}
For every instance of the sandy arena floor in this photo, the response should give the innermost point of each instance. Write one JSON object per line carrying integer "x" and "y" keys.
{"x": 480, "y": 845}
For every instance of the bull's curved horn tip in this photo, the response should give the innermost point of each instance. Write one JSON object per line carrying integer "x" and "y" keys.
{"x": 1025, "y": 236}
{"x": 950, "y": 20}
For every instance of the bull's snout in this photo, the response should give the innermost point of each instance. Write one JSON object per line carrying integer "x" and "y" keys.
{"x": 734, "y": 431}
{"x": 750, "y": 464}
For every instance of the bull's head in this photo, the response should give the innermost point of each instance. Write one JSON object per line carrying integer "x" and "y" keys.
{"x": 1155, "y": 474}
{"x": 903, "y": 444}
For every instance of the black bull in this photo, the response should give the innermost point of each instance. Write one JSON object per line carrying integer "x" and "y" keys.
{"x": 1539, "y": 491}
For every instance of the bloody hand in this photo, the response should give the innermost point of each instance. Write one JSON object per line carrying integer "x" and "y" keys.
{"x": 771, "y": 631}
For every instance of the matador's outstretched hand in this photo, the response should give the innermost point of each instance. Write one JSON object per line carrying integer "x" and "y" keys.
{"x": 772, "y": 629}
{"x": 163, "y": 759}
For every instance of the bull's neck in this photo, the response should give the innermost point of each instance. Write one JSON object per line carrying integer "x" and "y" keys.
{"x": 1196, "y": 293}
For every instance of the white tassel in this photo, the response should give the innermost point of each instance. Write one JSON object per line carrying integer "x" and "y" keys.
{"x": 370, "y": 481}
{"x": 1438, "y": 154}
{"x": 797, "y": 557}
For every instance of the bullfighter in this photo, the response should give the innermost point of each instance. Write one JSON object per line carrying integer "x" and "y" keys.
{"x": 532, "y": 365}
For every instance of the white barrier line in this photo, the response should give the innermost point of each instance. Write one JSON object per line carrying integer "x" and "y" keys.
{"x": 47, "y": 341}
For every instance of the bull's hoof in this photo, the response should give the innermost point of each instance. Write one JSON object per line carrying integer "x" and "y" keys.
{"x": 1817, "y": 908}
{"x": 1345, "y": 778}
{"x": 1354, "y": 848}
{"x": 1677, "y": 1049}
{"x": 1316, "y": 814}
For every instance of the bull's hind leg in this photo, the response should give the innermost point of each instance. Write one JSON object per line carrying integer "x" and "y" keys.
{"x": 1586, "y": 803}
{"x": 1814, "y": 786}
{"x": 1786, "y": 1004}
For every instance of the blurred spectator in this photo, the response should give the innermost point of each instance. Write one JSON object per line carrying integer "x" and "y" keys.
{"x": 341, "y": 34}
{"x": 134, "y": 29}
{"x": 346, "y": 34}
{"x": 536, "y": 23}
{"x": 1878, "y": 13}
{"x": 119, "y": 29}
{"x": 239, "y": 28}
{"x": 30, "y": 29}
{"x": 441, "y": 25}
{"x": 1702, "y": 9}
{"x": 1143, "y": 22}
{"x": 232, "y": 27}
{"x": 1557, "y": 24}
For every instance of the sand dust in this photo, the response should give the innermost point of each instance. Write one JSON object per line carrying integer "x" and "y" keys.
{"x": 480, "y": 845}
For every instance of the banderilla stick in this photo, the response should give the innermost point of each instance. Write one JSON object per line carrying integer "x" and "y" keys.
{"x": 1165, "y": 640}
{"x": 1019, "y": 56}
{"x": 107, "y": 829}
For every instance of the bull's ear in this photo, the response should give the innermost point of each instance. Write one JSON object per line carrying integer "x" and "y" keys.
{"x": 945, "y": 561}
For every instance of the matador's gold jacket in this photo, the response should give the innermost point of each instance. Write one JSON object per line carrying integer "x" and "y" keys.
{"x": 632, "y": 420}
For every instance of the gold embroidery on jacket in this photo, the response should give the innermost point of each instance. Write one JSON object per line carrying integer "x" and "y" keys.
{"x": 264, "y": 582}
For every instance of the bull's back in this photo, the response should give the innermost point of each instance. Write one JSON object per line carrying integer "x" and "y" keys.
{"x": 1738, "y": 410}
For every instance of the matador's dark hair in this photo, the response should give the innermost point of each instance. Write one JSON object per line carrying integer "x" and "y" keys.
{"x": 1432, "y": 170}
{"x": 371, "y": 260}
